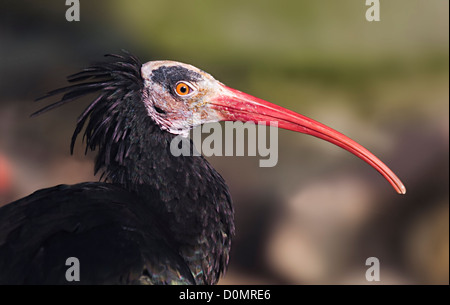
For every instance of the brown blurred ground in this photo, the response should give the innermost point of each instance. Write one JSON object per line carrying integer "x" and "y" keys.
{"x": 320, "y": 213}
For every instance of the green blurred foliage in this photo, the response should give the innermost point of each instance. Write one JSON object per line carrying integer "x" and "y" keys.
{"x": 277, "y": 49}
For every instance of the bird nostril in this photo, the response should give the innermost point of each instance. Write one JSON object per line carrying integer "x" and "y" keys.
{"x": 159, "y": 110}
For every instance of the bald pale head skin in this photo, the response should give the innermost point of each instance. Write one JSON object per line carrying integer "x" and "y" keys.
{"x": 177, "y": 95}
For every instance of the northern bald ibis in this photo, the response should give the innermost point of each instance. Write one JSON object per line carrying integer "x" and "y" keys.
{"x": 154, "y": 218}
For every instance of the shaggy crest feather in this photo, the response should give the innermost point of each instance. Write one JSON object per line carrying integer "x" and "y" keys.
{"x": 119, "y": 84}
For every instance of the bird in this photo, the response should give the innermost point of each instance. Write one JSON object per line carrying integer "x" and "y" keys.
{"x": 152, "y": 218}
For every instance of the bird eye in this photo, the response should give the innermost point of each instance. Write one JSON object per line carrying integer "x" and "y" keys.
{"x": 183, "y": 89}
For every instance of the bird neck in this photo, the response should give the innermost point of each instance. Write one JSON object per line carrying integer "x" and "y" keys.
{"x": 189, "y": 197}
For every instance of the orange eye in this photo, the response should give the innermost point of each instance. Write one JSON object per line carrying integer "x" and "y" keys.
{"x": 183, "y": 89}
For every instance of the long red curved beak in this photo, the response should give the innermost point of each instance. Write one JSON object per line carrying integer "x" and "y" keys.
{"x": 235, "y": 105}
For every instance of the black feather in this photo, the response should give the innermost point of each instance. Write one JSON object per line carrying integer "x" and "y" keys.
{"x": 116, "y": 239}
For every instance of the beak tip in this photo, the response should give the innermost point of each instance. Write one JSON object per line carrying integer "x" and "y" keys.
{"x": 402, "y": 190}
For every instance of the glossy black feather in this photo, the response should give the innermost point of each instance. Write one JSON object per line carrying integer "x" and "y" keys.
{"x": 116, "y": 239}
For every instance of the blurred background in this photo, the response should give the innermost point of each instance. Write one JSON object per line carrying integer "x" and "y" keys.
{"x": 320, "y": 213}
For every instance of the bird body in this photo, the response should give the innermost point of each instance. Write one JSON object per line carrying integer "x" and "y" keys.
{"x": 117, "y": 236}
{"x": 154, "y": 218}
{"x": 110, "y": 232}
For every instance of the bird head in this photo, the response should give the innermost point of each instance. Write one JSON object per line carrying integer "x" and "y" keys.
{"x": 179, "y": 96}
